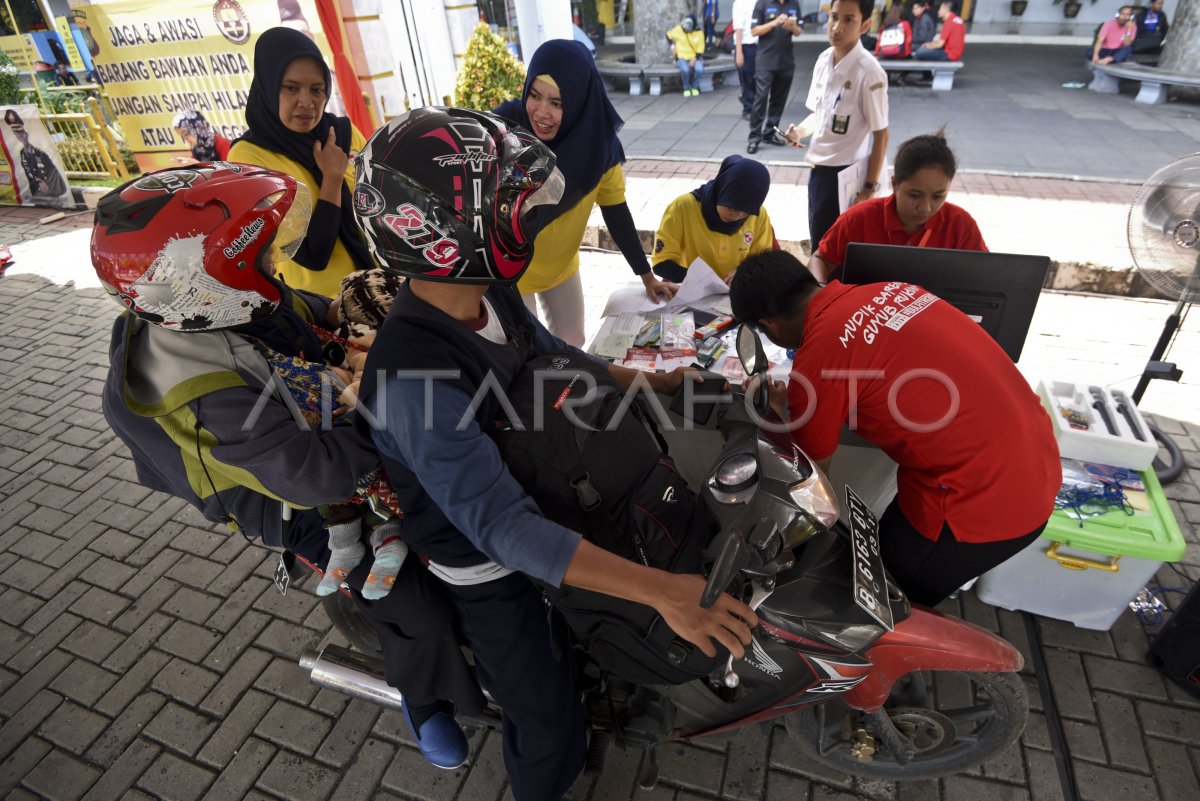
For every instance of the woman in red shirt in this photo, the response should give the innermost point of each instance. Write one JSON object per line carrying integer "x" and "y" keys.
{"x": 916, "y": 213}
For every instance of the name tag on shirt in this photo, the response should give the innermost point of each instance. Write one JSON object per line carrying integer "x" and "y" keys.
{"x": 841, "y": 123}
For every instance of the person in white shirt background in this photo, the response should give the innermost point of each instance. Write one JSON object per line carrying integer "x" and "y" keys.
{"x": 848, "y": 98}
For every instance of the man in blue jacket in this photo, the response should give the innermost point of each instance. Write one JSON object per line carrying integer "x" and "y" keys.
{"x": 449, "y": 199}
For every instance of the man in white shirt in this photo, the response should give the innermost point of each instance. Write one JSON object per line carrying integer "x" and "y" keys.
{"x": 848, "y": 98}
{"x": 744, "y": 51}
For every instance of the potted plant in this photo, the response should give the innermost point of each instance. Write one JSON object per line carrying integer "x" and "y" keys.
{"x": 1017, "y": 7}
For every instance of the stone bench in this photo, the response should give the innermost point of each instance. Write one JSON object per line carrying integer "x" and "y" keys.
{"x": 943, "y": 71}
{"x": 1107, "y": 80}
{"x": 717, "y": 65}
{"x": 611, "y": 71}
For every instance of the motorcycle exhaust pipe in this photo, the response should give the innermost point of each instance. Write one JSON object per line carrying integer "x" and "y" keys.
{"x": 351, "y": 673}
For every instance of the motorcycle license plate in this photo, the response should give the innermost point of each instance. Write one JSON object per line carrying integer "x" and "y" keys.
{"x": 870, "y": 586}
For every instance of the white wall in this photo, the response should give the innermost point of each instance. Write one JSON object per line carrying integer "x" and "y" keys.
{"x": 405, "y": 50}
{"x": 1042, "y": 17}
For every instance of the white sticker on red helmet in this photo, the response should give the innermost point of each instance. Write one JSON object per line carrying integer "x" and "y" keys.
{"x": 178, "y": 289}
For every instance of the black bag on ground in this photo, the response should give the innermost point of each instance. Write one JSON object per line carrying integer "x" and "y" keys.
{"x": 595, "y": 463}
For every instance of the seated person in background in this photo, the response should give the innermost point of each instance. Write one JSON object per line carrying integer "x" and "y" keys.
{"x": 1151, "y": 28}
{"x": 199, "y": 135}
{"x": 923, "y": 26}
{"x": 950, "y": 42}
{"x": 895, "y": 39}
{"x": 916, "y": 213}
{"x": 970, "y": 493}
{"x": 1114, "y": 43}
{"x": 687, "y": 45}
{"x": 721, "y": 222}
{"x": 64, "y": 76}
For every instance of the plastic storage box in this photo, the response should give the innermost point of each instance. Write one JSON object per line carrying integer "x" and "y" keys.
{"x": 1094, "y": 409}
{"x": 1088, "y": 574}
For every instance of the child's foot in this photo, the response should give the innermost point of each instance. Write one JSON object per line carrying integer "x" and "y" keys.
{"x": 345, "y": 552}
{"x": 390, "y": 551}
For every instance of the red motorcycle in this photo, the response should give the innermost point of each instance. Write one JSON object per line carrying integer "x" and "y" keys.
{"x": 866, "y": 684}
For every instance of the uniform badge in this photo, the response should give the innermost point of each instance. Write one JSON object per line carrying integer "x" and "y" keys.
{"x": 748, "y": 237}
{"x": 841, "y": 123}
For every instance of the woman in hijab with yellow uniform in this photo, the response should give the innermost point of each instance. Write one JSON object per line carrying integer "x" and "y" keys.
{"x": 564, "y": 104}
{"x": 290, "y": 131}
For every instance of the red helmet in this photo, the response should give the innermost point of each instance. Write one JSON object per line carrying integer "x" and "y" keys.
{"x": 191, "y": 249}
{"x": 445, "y": 194}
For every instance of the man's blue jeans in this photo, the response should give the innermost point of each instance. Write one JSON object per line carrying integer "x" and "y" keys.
{"x": 1118, "y": 54}
{"x": 931, "y": 54}
{"x": 690, "y": 74}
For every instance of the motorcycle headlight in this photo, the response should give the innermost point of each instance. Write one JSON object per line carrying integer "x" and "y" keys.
{"x": 852, "y": 638}
{"x": 815, "y": 495}
{"x": 737, "y": 472}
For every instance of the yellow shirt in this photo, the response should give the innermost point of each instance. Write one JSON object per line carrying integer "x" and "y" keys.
{"x": 683, "y": 236}
{"x": 556, "y": 249}
{"x": 687, "y": 45}
{"x": 325, "y": 282}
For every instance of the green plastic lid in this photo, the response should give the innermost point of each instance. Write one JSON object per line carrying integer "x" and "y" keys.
{"x": 1146, "y": 535}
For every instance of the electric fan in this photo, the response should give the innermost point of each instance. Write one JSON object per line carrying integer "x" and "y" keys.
{"x": 1164, "y": 240}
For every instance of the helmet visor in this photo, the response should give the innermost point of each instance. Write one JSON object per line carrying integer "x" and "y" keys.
{"x": 549, "y": 193}
{"x": 294, "y": 225}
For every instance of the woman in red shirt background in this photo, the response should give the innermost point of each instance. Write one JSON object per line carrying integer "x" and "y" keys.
{"x": 916, "y": 213}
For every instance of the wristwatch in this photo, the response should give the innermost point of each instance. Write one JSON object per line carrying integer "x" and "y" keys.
{"x": 870, "y": 187}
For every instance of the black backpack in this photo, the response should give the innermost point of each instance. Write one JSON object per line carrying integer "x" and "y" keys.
{"x": 600, "y": 467}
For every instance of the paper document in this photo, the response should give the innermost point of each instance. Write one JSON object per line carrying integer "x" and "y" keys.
{"x": 616, "y": 335}
{"x": 699, "y": 282}
{"x": 629, "y": 298}
{"x": 851, "y": 180}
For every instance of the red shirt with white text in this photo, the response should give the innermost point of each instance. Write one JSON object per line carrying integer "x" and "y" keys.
{"x": 930, "y": 388}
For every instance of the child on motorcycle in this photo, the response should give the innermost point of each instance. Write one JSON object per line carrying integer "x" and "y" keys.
{"x": 449, "y": 198}
{"x": 214, "y": 386}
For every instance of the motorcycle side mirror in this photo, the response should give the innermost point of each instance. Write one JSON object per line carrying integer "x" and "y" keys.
{"x": 733, "y": 556}
{"x": 749, "y": 350}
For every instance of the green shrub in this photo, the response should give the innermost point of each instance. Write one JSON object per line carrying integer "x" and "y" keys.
{"x": 10, "y": 81}
{"x": 489, "y": 74}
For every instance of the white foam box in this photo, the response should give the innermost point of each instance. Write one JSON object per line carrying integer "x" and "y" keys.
{"x": 1128, "y": 447}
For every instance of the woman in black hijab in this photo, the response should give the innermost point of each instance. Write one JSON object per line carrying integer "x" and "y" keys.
{"x": 565, "y": 105}
{"x": 720, "y": 222}
{"x": 291, "y": 131}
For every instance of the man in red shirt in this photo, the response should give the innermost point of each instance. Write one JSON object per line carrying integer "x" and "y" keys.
{"x": 948, "y": 45}
{"x": 978, "y": 463}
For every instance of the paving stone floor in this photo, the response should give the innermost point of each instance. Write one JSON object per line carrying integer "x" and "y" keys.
{"x": 144, "y": 653}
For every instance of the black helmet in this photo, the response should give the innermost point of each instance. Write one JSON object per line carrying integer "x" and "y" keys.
{"x": 444, "y": 194}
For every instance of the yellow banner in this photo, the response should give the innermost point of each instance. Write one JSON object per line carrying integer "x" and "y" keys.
{"x": 157, "y": 59}
{"x": 21, "y": 50}
{"x": 64, "y": 30}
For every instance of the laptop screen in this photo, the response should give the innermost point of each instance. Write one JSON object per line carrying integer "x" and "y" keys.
{"x": 997, "y": 290}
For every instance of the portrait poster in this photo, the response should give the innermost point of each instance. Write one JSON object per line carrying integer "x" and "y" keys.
{"x": 31, "y": 171}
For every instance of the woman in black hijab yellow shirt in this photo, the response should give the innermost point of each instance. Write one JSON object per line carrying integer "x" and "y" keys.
{"x": 290, "y": 131}
{"x": 720, "y": 222}
{"x": 564, "y": 104}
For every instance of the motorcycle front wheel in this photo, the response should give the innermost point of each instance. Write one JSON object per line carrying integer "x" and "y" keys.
{"x": 967, "y": 719}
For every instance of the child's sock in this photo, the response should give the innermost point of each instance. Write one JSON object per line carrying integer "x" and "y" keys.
{"x": 346, "y": 551}
{"x": 390, "y": 551}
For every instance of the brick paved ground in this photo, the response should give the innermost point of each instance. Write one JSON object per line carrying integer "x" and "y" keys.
{"x": 144, "y": 654}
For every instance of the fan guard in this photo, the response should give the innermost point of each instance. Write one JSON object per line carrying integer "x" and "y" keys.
{"x": 1164, "y": 229}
